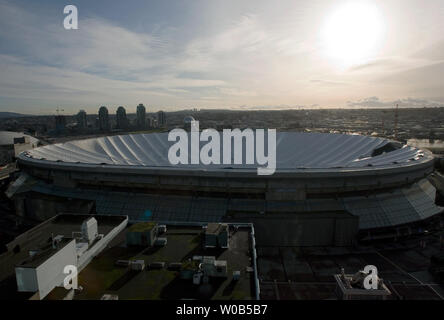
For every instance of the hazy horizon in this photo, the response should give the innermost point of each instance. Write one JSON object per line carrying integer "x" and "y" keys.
{"x": 112, "y": 111}
{"x": 248, "y": 55}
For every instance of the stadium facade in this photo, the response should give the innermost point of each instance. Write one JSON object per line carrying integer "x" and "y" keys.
{"x": 327, "y": 188}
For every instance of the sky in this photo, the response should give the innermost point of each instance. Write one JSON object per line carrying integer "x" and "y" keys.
{"x": 174, "y": 55}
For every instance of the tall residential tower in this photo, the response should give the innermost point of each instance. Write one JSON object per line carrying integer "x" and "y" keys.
{"x": 103, "y": 119}
{"x": 121, "y": 119}
{"x": 141, "y": 115}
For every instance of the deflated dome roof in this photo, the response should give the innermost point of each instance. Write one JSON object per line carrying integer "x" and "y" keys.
{"x": 294, "y": 151}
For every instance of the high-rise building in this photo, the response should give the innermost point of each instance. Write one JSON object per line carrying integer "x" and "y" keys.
{"x": 149, "y": 122}
{"x": 188, "y": 122}
{"x": 161, "y": 119}
{"x": 121, "y": 119}
{"x": 103, "y": 119}
{"x": 82, "y": 123}
{"x": 141, "y": 115}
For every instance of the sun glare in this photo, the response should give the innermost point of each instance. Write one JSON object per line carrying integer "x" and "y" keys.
{"x": 352, "y": 33}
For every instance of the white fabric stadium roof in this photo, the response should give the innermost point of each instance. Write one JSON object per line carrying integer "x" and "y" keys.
{"x": 294, "y": 150}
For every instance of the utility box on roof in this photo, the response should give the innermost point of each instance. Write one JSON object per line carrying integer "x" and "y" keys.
{"x": 138, "y": 265}
{"x": 352, "y": 287}
{"x": 141, "y": 234}
{"x": 214, "y": 268}
{"x": 90, "y": 230}
{"x": 216, "y": 235}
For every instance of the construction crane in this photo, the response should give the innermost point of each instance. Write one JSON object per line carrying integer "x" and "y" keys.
{"x": 395, "y": 129}
{"x": 382, "y": 121}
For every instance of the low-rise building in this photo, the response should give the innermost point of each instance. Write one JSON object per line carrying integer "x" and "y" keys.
{"x": 13, "y": 143}
{"x": 40, "y": 256}
{"x": 216, "y": 235}
{"x": 141, "y": 234}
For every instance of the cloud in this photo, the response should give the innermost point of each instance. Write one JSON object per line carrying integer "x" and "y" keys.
{"x": 271, "y": 107}
{"x": 102, "y": 62}
{"x": 97, "y": 47}
{"x": 394, "y": 64}
{"x": 98, "y": 63}
{"x": 262, "y": 55}
{"x": 243, "y": 48}
{"x": 237, "y": 92}
{"x": 329, "y": 82}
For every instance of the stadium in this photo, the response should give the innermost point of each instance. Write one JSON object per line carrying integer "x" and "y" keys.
{"x": 328, "y": 189}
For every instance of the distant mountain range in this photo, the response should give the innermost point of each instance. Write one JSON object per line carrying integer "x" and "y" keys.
{"x": 11, "y": 115}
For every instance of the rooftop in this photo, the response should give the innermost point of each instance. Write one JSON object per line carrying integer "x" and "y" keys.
{"x": 306, "y": 273}
{"x": 40, "y": 237}
{"x": 102, "y": 276}
{"x": 44, "y": 253}
{"x": 142, "y": 227}
{"x": 216, "y": 228}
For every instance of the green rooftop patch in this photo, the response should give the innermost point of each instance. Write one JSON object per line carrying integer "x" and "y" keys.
{"x": 142, "y": 227}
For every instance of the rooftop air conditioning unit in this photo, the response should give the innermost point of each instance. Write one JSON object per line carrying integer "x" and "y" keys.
{"x": 161, "y": 242}
{"x": 138, "y": 265}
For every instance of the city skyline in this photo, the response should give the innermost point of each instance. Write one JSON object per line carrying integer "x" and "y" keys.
{"x": 230, "y": 55}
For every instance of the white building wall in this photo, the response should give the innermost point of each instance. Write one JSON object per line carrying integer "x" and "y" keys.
{"x": 50, "y": 273}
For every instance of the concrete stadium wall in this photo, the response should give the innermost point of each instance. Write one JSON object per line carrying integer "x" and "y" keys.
{"x": 295, "y": 185}
{"x": 42, "y": 208}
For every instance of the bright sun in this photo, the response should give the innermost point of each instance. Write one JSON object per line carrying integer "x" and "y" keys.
{"x": 352, "y": 33}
